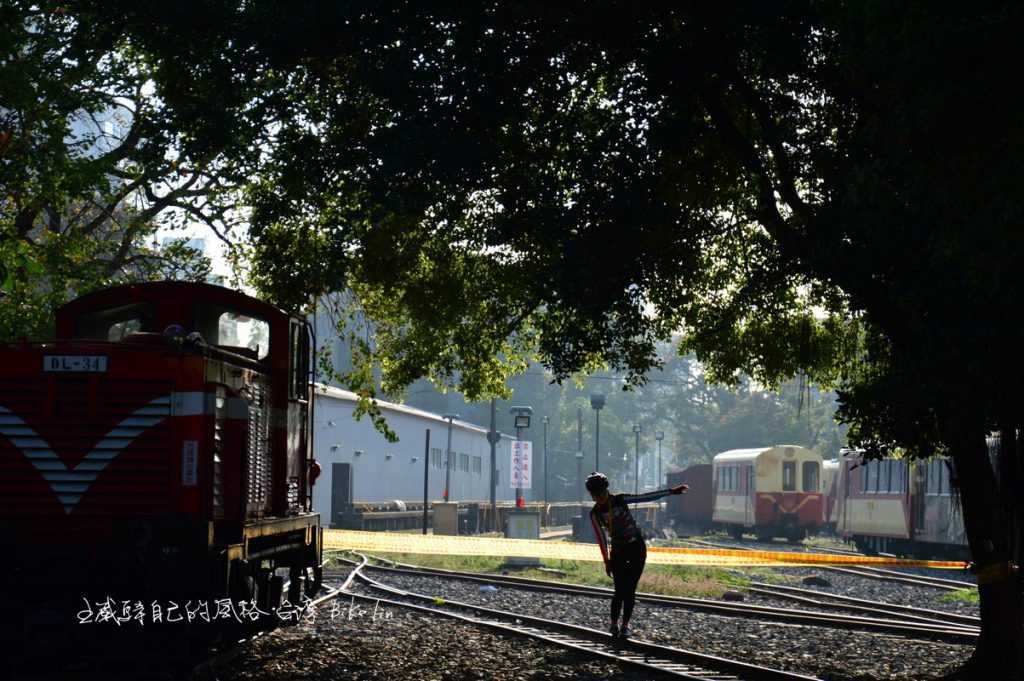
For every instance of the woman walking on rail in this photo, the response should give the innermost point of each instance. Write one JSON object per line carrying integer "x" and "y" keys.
{"x": 628, "y": 550}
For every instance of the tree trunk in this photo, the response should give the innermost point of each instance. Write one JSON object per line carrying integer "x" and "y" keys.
{"x": 991, "y": 538}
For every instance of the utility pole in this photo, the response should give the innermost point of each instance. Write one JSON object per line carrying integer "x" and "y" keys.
{"x": 659, "y": 436}
{"x": 448, "y": 455}
{"x": 636, "y": 476}
{"x": 493, "y": 437}
{"x": 426, "y": 480}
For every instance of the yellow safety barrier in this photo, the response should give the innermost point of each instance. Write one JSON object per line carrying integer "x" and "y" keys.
{"x": 396, "y": 542}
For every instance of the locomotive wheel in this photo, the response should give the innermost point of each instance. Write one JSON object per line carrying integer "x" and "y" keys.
{"x": 296, "y": 585}
{"x": 736, "y": 532}
{"x": 314, "y": 583}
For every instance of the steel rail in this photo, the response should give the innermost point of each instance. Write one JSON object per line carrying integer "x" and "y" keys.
{"x": 945, "y": 630}
{"x": 650, "y": 656}
{"x": 812, "y": 596}
{"x": 864, "y": 571}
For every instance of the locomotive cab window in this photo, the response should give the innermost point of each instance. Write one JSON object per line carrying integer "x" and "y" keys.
{"x": 789, "y": 476}
{"x": 114, "y": 324}
{"x": 810, "y": 476}
{"x": 233, "y": 329}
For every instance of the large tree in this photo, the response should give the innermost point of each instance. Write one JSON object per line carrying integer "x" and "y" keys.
{"x": 824, "y": 187}
{"x": 89, "y": 169}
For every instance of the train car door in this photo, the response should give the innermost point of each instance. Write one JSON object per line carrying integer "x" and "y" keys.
{"x": 751, "y": 494}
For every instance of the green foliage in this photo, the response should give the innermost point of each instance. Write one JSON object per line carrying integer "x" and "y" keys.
{"x": 970, "y": 596}
{"x": 670, "y": 580}
{"x": 88, "y": 169}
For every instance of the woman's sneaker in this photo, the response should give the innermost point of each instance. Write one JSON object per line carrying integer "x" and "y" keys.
{"x": 614, "y": 630}
{"x": 624, "y": 632}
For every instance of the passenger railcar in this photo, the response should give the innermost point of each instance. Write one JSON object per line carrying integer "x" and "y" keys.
{"x": 158, "y": 448}
{"x": 771, "y": 491}
{"x": 896, "y": 506}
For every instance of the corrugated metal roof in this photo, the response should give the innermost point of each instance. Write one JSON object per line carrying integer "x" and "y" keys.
{"x": 349, "y": 396}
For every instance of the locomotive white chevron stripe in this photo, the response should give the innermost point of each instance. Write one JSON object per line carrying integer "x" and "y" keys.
{"x": 69, "y": 484}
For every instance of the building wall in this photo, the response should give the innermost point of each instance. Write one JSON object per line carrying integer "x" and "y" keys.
{"x": 387, "y": 471}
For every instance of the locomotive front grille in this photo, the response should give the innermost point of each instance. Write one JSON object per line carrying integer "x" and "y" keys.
{"x": 93, "y": 447}
{"x": 257, "y": 450}
{"x": 219, "y": 413}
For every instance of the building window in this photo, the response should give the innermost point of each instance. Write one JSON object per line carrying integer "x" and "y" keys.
{"x": 464, "y": 463}
{"x": 478, "y": 465}
{"x": 436, "y": 460}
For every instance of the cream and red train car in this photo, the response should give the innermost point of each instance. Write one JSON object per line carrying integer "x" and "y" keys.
{"x": 770, "y": 491}
{"x": 159, "y": 448}
{"x": 899, "y": 507}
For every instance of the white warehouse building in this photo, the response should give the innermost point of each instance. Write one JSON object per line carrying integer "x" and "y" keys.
{"x": 359, "y": 465}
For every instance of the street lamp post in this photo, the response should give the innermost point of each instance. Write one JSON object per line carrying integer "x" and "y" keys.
{"x": 448, "y": 455}
{"x": 545, "y": 420}
{"x": 636, "y": 475}
{"x": 659, "y": 436}
{"x": 522, "y": 421}
{"x": 579, "y": 452}
{"x": 597, "y": 402}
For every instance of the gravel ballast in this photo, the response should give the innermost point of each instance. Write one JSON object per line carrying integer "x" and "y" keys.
{"x": 816, "y": 651}
{"x": 393, "y": 643}
{"x": 401, "y": 645}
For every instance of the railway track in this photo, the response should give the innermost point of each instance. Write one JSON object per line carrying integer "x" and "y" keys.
{"x": 822, "y": 599}
{"x": 666, "y": 660}
{"x": 922, "y": 623}
{"x": 864, "y": 571}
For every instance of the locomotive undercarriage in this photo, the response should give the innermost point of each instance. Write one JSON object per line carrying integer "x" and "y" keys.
{"x": 53, "y": 596}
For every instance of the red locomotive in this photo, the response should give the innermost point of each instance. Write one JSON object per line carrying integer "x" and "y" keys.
{"x": 159, "y": 447}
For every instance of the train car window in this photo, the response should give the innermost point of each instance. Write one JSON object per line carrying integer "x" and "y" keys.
{"x": 789, "y": 476}
{"x": 900, "y": 470}
{"x": 751, "y": 480}
{"x": 872, "y": 487}
{"x": 810, "y": 475}
{"x": 932, "y": 481}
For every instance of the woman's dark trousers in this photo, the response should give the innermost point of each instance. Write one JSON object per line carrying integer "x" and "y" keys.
{"x": 627, "y": 566}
